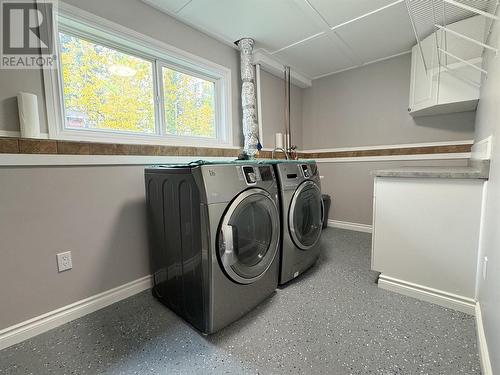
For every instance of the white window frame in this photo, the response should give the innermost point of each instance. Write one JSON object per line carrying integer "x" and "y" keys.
{"x": 79, "y": 23}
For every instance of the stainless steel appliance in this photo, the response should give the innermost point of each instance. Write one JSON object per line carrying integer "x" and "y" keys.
{"x": 301, "y": 216}
{"x": 215, "y": 231}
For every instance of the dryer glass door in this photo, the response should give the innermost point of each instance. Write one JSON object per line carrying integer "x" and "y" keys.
{"x": 305, "y": 215}
{"x": 249, "y": 236}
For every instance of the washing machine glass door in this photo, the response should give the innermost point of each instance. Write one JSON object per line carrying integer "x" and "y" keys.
{"x": 305, "y": 215}
{"x": 249, "y": 236}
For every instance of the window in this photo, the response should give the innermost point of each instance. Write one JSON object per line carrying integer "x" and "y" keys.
{"x": 104, "y": 88}
{"x": 119, "y": 86}
{"x": 189, "y": 104}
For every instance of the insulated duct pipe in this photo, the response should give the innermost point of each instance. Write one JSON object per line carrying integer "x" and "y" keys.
{"x": 248, "y": 98}
{"x": 287, "y": 109}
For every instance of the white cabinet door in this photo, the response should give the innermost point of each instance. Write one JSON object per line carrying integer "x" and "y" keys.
{"x": 424, "y": 82}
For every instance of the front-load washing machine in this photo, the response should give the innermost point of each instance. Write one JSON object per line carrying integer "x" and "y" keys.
{"x": 301, "y": 216}
{"x": 214, "y": 239}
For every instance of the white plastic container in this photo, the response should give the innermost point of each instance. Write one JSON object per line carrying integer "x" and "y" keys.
{"x": 29, "y": 119}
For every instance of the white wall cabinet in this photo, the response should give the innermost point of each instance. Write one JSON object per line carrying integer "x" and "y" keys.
{"x": 426, "y": 236}
{"x": 444, "y": 84}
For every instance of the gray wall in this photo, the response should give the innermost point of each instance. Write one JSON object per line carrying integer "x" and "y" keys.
{"x": 273, "y": 115}
{"x": 366, "y": 107}
{"x": 369, "y": 106}
{"x": 11, "y": 83}
{"x": 488, "y": 123}
{"x": 351, "y": 186}
{"x": 97, "y": 213}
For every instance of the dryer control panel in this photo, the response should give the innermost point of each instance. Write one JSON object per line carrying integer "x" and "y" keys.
{"x": 255, "y": 174}
{"x": 222, "y": 182}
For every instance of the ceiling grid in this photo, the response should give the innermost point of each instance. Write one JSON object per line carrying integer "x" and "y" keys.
{"x": 316, "y": 38}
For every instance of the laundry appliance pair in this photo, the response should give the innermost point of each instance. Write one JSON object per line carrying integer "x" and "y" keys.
{"x": 219, "y": 243}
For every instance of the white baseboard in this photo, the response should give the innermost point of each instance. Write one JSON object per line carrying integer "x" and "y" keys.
{"x": 484, "y": 355}
{"x": 439, "y": 297}
{"x": 350, "y": 226}
{"x": 35, "y": 326}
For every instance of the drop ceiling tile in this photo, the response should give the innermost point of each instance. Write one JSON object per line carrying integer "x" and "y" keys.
{"x": 336, "y": 12}
{"x": 273, "y": 24}
{"x": 316, "y": 57}
{"x": 169, "y": 6}
{"x": 380, "y": 35}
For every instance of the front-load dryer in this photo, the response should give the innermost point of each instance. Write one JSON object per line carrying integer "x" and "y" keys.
{"x": 215, "y": 232}
{"x": 301, "y": 216}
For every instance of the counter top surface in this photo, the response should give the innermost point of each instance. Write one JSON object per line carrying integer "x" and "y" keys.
{"x": 475, "y": 170}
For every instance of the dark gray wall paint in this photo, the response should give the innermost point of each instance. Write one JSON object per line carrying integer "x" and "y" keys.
{"x": 369, "y": 106}
{"x": 488, "y": 124}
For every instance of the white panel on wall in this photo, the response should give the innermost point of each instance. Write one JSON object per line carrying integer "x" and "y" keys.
{"x": 304, "y": 57}
{"x": 273, "y": 24}
{"x": 426, "y": 232}
{"x": 336, "y": 12}
{"x": 380, "y": 35}
{"x": 169, "y": 6}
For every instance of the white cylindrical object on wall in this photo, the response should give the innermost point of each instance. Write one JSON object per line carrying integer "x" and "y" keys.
{"x": 28, "y": 115}
{"x": 279, "y": 140}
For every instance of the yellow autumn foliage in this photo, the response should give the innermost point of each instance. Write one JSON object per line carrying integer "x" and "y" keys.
{"x": 107, "y": 89}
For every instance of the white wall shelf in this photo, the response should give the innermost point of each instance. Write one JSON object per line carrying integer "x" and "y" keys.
{"x": 447, "y": 69}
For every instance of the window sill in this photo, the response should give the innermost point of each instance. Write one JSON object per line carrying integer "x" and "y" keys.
{"x": 108, "y": 137}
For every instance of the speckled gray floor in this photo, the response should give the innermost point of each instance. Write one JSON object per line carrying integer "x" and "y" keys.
{"x": 333, "y": 320}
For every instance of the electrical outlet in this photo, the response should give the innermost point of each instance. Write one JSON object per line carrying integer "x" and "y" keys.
{"x": 64, "y": 261}
{"x": 485, "y": 267}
